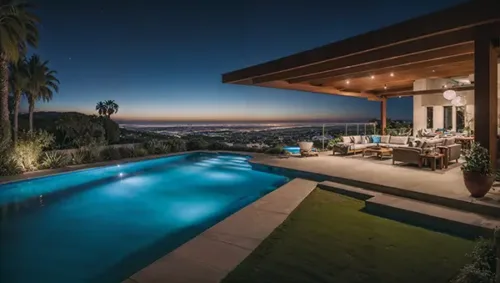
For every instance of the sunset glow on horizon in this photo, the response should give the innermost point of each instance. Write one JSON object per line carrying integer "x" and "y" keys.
{"x": 169, "y": 67}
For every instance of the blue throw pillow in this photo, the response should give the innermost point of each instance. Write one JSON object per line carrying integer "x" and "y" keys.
{"x": 376, "y": 139}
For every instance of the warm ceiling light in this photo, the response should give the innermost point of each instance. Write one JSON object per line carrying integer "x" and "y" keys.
{"x": 347, "y": 81}
{"x": 385, "y": 86}
{"x": 445, "y": 86}
{"x": 392, "y": 74}
{"x": 372, "y": 77}
{"x": 433, "y": 71}
{"x": 399, "y": 96}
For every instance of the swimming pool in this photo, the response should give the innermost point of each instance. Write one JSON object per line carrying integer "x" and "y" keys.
{"x": 292, "y": 149}
{"x": 104, "y": 224}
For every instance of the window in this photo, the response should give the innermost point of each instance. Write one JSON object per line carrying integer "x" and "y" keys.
{"x": 430, "y": 119}
{"x": 448, "y": 117}
{"x": 460, "y": 118}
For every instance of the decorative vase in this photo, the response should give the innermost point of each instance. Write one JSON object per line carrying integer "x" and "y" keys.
{"x": 477, "y": 184}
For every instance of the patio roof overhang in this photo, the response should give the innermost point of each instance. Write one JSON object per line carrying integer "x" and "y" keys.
{"x": 384, "y": 63}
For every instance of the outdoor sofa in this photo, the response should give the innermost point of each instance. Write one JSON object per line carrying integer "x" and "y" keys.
{"x": 356, "y": 144}
{"x": 412, "y": 154}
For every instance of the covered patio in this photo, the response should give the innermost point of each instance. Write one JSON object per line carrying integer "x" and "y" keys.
{"x": 413, "y": 58}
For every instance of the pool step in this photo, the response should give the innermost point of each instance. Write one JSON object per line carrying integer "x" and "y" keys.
{"x": 350, "y": 191}
{"x": 431, "y": 216}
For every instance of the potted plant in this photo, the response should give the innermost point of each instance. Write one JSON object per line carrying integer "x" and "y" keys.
{"x": 477, "y": 170}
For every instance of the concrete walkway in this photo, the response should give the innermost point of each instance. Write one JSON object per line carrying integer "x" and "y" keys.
{"x": 209, "y": 257}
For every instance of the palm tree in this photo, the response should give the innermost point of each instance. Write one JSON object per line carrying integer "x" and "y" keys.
{"x": 41, "y": 85}
{"x": 18, "y": 81}
{"x": 101, "y": 108}
{"x": 17, "y": 30}
{"x": 111, "y": 107}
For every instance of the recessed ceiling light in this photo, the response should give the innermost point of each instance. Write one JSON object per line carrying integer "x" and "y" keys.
{"x": 385, "y": 86}
{"x": 347, "y": 81}
{"x": 399, "y": 96}
{"x": 433, "y": 71}
{"x": 445, "y": 86}
{"x": 372, "y": 77}
{"x": 392, "y": 74}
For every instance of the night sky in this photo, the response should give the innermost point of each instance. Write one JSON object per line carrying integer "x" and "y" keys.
{"x": 163, "y": 60}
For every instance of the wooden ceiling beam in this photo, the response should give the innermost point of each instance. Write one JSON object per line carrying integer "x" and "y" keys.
{"x": 465, "y": 15}
{"x": 404, "y": 78}
{"x": 440, "y": 57}
{"x": 402, "y": 50}
{"x": 392, "y": 52}
{"x": 423, "y": 92}
{"x": 319, "y": 89}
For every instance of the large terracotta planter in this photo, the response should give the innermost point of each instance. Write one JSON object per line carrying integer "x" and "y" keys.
{"x": 478, "y": 185}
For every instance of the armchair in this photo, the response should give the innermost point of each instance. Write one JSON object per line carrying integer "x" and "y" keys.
{"x": 407, "y": 155}
{"x": 451, "y": 152}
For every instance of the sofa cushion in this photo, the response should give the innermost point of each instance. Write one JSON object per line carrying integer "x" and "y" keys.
{"x": 376, "y": 139}
{"x": 346, "y": 139}
{"x": 433, "y": 142}
{"x": 398, "y": 140}
{"x": 357, "y": 139}
{"x": 385, "y": 139}
{"x": 392, "y": 145}
{"x": 362, "y": 146}
{"x": 449, "y": 141}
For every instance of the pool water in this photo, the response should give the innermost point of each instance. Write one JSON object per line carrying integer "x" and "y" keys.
{"x": 104, "y": 224}
{"x": 292, "y": 149}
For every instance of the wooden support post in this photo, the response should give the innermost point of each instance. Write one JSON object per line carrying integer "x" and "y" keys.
{"x": 485, "y": 95}
{"x": 383, "y": 115}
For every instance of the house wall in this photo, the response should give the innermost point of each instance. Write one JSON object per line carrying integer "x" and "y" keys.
{"x": 437, "y": 102}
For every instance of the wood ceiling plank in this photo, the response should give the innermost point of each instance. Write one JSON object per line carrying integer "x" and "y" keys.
{"x": 437, "y": 57}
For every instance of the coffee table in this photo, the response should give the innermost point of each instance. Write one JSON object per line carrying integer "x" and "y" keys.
{"x": 433, "y": 158}
{"x": 379, "y": 151}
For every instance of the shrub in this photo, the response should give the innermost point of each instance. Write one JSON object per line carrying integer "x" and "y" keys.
{"x": 54, "y": 159}
{"x": 275, "y": 150}
{"x": 157, "y": 147}
{"x": 126, "y": 152}
{"x": 110, "y": 153}
{"x": 333, "y": 142}
{"x": 196, "y": 144}
{"x": 478, "y": 160}
{"x": 139, "y": 151}
{"x": 218, "y": 146}
{"x": 482, "y": 266}
{"x": 8, "y": 164}
{"x": 176, "y": 145}
{"x": 29, "y": 148}
{"x": 81, "y": 156}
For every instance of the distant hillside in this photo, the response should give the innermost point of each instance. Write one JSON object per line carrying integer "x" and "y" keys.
{"x": 44, "y": 120}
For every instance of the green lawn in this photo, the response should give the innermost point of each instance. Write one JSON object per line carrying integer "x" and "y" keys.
{"x": 328, "y": 239}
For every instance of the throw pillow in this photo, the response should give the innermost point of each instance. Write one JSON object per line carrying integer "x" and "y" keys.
{"x": 376, "y": 139}
{"x": 346, "y": 140}
{"x": 385, "y": 139}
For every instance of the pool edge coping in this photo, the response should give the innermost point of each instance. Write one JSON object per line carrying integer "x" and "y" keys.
{"x": 213, "y": 254}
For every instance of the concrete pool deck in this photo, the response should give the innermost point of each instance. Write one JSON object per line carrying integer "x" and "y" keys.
{"x": 444, "y": 188}
{"x": 210, "y": 256}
